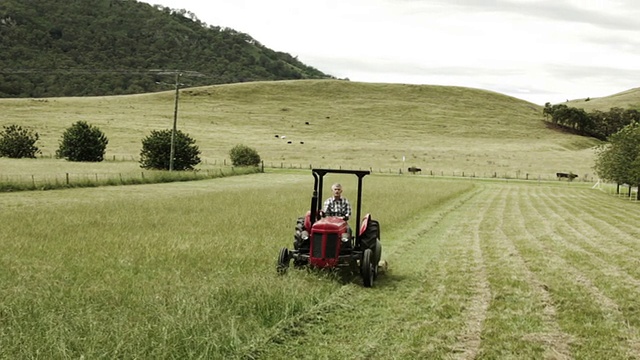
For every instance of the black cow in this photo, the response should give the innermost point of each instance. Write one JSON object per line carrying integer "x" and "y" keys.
{"x": 414, "y": 170}
{"x": 568, "y": 176}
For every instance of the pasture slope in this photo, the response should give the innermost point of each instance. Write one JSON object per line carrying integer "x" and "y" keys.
{"x": 629, "y": 99}
{"x": 478, "y": 269}
{"x": 329, "y": 123}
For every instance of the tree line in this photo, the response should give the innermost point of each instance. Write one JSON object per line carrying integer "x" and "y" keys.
{"x": 54, "y": 48}
{"x": 598, "y": 124}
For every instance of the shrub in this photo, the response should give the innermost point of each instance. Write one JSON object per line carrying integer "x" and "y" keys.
{"x": 242, "y": 155}
{"x": 82, "y": 142}
{"x": 17, "y": 142}
{"x": 156, "y": 151}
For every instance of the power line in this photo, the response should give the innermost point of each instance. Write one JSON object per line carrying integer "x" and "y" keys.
{"x": 80, "y": 71}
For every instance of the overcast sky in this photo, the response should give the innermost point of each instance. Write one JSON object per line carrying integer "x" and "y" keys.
{"x": 536, "y": 50}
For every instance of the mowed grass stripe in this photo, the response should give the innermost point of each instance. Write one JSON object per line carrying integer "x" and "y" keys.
{"x": 592, "y": 221}
{"x": 605, "y": 272}
{"x": 610, "y": 235}
{"x": 584, "y": 311}
{"x": 588, "y": 243}
{"x": 469, "y": 340}
{"x": 614, "y": 259}
{"x": 454, "y": 292}
{"x": 520, "y": 321}
{"x": 616, "y": 215}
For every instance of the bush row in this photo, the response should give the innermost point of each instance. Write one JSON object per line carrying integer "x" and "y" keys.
{"x": 161, "y": 150}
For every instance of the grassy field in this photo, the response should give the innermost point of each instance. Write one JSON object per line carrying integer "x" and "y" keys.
{"x": 629, "y": 99}
{"x": 478, "y": 269}
{"x": 354, "y": 125}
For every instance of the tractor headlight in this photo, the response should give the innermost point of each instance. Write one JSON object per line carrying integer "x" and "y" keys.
{"x": 304, "y": 235}
{"x": 345, "y": 237}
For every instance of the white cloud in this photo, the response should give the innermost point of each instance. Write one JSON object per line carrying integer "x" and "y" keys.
{"x": 537, "y": 50}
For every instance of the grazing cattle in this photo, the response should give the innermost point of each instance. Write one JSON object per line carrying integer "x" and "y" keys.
{"x": 414, "y": 170}
{"x": 301, "y": 142}
{"x": 288, "y": 142}
{"x": 568, "y": 176}
{"x": 306, "y": 123}
{"x": 277, "y": 135}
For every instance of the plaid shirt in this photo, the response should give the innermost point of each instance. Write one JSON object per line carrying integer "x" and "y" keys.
{"x": 340, "y": 207}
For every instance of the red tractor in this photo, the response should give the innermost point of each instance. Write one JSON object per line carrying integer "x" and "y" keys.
{"x": 325, "y": 242}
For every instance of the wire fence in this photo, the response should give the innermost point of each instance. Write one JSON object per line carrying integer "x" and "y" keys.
{"x": 71, "y": 180}
{"x": 515, "y": 175}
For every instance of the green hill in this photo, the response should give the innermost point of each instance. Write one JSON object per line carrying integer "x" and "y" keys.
{"x": 629, "y": 99}
{"x": 329, "y": 123}
{"x": 110, "y": 47}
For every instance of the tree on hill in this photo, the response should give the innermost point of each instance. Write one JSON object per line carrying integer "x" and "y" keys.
{"x": 619, "y": 160}
{"x": 156, "y": 151}
{"x": 108, "y": 47}
{"x": 18, "y": 142}
{"x": 82, "y": 142}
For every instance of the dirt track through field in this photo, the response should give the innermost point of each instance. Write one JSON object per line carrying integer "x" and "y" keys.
{"x": 503, "y": 271}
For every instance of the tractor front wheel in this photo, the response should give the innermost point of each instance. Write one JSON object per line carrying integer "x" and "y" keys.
{"x": 367, "y": 268}
{"x": 283, "y": 261}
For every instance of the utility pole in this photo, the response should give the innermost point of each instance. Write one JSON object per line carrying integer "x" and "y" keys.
{"x": 175, "y": 123}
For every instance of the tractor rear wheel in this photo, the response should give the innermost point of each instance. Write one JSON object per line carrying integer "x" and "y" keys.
{"x": 367, "y": 268}
{"x": 283, "y": 261}
{"x": 371, "y": 235}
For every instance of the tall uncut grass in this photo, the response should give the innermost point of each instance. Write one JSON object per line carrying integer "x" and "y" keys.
{"x": 165, "y": 271}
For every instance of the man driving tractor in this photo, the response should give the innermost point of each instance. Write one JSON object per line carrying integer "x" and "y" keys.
{"x": 337, "y": 205}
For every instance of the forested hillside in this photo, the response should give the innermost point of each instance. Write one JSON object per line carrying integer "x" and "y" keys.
{"x": 108, "y": 47}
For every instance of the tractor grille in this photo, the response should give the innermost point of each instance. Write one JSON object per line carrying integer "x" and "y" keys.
{"x": 332, "y": 245}
{"x": 316, "y": 250}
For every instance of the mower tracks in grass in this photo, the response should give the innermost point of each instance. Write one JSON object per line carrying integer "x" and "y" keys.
{"x": 554, "y": 342}
{"x": 598, "y": 238}
{"x": 500, "y": 271}
{"x": 518, "y": 316}
{"x": 592, "y": 318}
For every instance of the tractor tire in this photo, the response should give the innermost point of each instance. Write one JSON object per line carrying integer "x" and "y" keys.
{"x": 283, "y": 261}
{"x": 297, "y": 236}
{"x": 371, "y": 235}
{"x": 367, "y": 268}
{"x": 377, "y": 255}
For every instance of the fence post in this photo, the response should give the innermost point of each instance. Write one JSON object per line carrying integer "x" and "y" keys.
{"x": 67, "y": 174}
